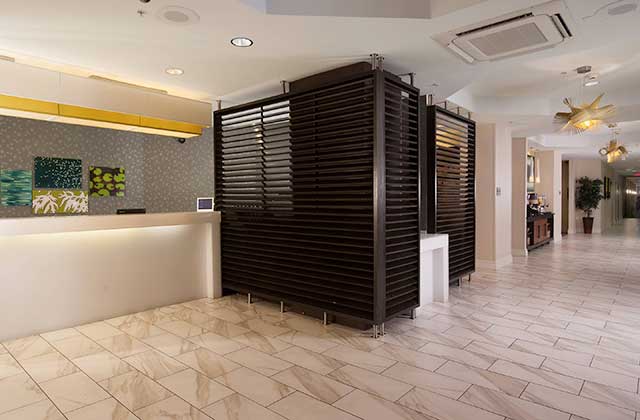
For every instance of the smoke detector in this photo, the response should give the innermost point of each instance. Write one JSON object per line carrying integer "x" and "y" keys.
{"x": 177, "y": 15}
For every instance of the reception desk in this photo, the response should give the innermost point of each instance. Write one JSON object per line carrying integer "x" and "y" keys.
{"x": 57, "y": 272}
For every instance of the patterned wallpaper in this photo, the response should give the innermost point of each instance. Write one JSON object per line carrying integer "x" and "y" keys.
{"x": 162, "y": 174}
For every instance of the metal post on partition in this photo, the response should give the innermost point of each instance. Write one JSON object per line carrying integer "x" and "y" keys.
{"x": 284, "y": 84}
{"x": 430, "y": 99}
{"x": 248, "y": 298}
{"x": 374, "y": 61}
{"x": 219, "y": 102}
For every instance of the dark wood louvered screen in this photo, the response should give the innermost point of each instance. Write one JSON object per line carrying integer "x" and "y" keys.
{"x": 402, "y": 197}
{"x": 296, "y": 182}
{"x": 449, "y": 185}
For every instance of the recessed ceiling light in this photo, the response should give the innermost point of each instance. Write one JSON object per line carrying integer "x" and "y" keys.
{"x": 241, "y": 41}
{"x": 177, "y": 15}
{"x": 174, "y": 71}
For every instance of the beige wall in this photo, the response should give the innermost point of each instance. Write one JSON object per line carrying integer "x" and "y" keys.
{"x": 519, "y": 197}
{"x": 579, "y": 168}
{"x": 493, "y": 210}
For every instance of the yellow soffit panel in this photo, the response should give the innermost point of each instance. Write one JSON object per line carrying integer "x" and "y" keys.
{"x": 71, "y": 114}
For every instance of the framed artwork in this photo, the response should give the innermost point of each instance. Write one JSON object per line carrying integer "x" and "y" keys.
{"x": 607, "y": 188}
{"x": 57, "y": 173}
{"x": 531, "y": 174}
{"x": 15, "y": 187}
{"x": 106, "y": 182}
{"x": 60, "y": 202}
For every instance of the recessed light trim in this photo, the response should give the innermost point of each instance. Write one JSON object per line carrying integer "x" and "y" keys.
{"x": 241, "y": 42}
{"x": 174, "y": 71}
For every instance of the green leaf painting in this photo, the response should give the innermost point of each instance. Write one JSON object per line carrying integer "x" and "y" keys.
{"x": 106, "y": 182}
{"x": 58, "y": 173}
{"x": 60, "y": 202}
{"x": 15, "y": 188}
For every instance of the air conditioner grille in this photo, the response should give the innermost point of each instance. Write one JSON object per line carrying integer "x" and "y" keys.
{"x": 512, "y": 39}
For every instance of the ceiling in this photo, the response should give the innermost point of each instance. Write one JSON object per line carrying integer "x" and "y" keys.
{"x": 293, "y": 40}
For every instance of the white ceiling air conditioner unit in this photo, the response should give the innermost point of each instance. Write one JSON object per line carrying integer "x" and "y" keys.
{"x": 525, "y": 31}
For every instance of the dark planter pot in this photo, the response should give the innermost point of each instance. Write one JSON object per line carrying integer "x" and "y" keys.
{"x": 587, "y": 222}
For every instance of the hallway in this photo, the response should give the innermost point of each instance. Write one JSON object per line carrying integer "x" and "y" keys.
{"x": 519, "y": 343}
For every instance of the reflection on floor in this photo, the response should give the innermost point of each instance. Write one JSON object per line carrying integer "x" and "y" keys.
{"x": 552, "y": 336}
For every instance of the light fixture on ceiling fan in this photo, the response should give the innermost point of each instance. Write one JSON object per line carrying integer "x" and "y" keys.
{"x": 614, "y": 151}
{"x": 588, "y": 115}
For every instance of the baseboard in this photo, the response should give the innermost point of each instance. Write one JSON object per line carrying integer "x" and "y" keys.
{"x": 493, "y": 264}
{"x": 519, "y": 252}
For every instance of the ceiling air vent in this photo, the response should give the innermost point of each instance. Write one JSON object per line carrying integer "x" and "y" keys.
{"x": 522, "y": 32}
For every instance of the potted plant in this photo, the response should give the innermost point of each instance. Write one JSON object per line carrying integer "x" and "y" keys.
{"x": 588, "y": 197}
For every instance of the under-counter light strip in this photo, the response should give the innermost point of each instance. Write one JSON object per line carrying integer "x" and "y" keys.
{"x": 69, "y": 114}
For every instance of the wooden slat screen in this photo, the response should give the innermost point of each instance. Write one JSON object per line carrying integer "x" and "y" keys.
{"x": 450, "y": 186}
{"x": 295, "y": 184}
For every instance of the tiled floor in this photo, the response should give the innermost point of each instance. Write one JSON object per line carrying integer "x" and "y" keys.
{"x": 553, "y": 336}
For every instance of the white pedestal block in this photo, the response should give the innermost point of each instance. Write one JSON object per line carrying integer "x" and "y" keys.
{"x": 434, "y": 268}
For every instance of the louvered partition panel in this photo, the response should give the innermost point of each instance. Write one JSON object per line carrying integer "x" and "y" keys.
{"x": 402, "y": 231}
{"x": 450, "y": 185}
{"x": 294, "y": 183}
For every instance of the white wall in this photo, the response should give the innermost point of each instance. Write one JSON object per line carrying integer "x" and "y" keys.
{"x": 519, "y": 197}
{"x": 493, "y": 214}
{"x": 58, "y": 280}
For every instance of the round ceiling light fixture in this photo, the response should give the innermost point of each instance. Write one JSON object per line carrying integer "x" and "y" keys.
{"x": 174, "y": 71}
{"x": 177, "y": 15}
{"x": 241, "y": 41}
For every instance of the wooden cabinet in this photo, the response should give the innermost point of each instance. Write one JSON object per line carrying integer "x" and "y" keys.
{"x": 539, "y": 230}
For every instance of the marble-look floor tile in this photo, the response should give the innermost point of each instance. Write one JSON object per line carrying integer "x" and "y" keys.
{"x": 411, "y": 357}
{"x": 299, "y": 406}
{"x": 483, "y": 378}
{"x": 264, "y": 328}
{"x": 182, "y": 328}
{"x": 370, "y": 407}
{"x": 307, "y": 341}
{"x": 237, "y": 407}
{"x": 538, "y": 376}
{"x": 311, "y": 383}
{"x": 155, "y": 364}
{"x": 60, "y": 334}
{"x": 435, "y": 382}
{"x": 307, "y": 325}
{"x": 382, "y": 386}
{"x": 592, "y": 374}
{"x": 229, "y": 315}
{"x": 101, "y": 366}
{"x": 208, "y": 363}
{"x": 616, "y": 366}
{"x": 260, "y": 362}
{"x": 216, "y": 343}
{"x": 18, "y": 391}
{"x": 108, "y": 409}
{"x": 191, "y": 316}
{"x": 563, "y": 333}
{"x": 170, "y": 344}
{"x": 553, "y": 352}
{"x": 570, "y": 403}
{"x": 508, "y": 406}
{"x": 527, "y": 335}
{"x": 74, "y": 391}
{"x": 124, "y": 345}
{"x": 154, "y": 316}
{"x": 259, "y": 388}
{"x": 77, "y": 346}
{"x": 195, "y": 388}
{"x": 360, "y": 358}
{"x": 43, "y": 410}
{"x": 308, "y": 359}
{"x": 407, "y": 341}
{"x": 140, "y": 329}
{"x": 9, "y": 366}
{"x": 171, "y": 409}
{"x": 28, "y": 347}
{"x": 262, "y": 343}
{"x": 440, "y": 338}
{"x": 612, "y": 396}
{"x": 443, "y": 408}
{"x": 357, "y": 339}
{"x": 134, "y": 390}
{"x": 98, "y": 330}
{"x": 459, "y": 355}
{"x": 48, "y": 366}
{"x": 512, "y": 355}
{"x": 224, "y": 328}
{"x": 597, "y": 350}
